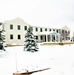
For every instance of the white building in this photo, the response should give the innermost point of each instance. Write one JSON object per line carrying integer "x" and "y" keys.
{"x": 16, "y": 29}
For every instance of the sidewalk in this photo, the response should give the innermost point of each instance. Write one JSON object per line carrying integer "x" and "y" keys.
{"x": 55, "y": 43}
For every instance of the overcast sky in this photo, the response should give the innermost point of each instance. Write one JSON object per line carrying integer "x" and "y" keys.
{"x": 47, "y": 13}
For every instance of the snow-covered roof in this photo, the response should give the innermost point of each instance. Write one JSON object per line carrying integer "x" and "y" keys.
{"x": 53, "y": 32}
{"x": 18, "y": 20}
{"x": 65, "y": 27}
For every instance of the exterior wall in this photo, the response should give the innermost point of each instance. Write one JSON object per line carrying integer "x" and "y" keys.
{"x": 15, "y": 31}
{"x": 37, "y": 33}
{"x": 22, "y": 32}
{"x": 65, "y": 34}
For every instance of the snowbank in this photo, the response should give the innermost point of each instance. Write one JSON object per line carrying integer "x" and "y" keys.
{"x": 59, "y": 58}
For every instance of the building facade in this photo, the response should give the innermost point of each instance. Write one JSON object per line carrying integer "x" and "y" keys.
{"x": 16, "y": 29}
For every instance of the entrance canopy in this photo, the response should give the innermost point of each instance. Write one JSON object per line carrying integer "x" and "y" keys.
{"x": 51, "y": 36}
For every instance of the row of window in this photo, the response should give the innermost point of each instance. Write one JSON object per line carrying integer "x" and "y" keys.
{"x": 36, "y": 29}
{"x": 25, "y": 28}
{"x": 18, "y": 36}
{"x": 64, "y": 31}
{"x": 18, "y": 27}
{"x": 41, "y": 37}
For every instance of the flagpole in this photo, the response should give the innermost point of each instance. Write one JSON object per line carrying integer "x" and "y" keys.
{"x": 16, "y": 62}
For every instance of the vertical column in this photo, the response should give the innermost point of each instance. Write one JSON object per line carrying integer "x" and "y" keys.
{"x": 39, "y": 39}
{"x": 55, "y": 37}
{"x": 46, "y": 38}
{"x": 50, "y": 38}
{"x": 59, "y": 37}
{"x": 43, "y": 38}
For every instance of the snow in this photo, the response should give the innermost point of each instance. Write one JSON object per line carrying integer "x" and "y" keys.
{"x": 59, "y": 58}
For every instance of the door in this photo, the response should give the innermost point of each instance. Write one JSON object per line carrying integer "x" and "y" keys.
{"x": 53, "y": 38}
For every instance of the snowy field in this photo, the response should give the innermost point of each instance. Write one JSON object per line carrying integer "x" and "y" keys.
{"x": 59, "y": 58}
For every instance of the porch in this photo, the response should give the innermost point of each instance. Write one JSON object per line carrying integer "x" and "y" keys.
{"x": 49, "y": 37}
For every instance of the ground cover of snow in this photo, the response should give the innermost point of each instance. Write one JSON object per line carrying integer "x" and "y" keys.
{"x": 59, "y": 58}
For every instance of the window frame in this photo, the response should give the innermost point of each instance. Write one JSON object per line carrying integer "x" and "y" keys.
{"x": 40, "y": 29}
{"x": 36, "y": 37}
{"x": 19, "y": 27}
{"x": 45, "y": 29}
{"x": 36, "y": 29}
{"x": 18, "y": 36}
{"x": 25, "y": 27}
{"x": 11, "y": 36}
{"x": 11, "y": 26}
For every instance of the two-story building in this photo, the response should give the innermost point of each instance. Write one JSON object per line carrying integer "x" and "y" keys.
{"x": 16, "y": 29}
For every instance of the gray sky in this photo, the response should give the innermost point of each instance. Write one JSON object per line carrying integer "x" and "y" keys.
{"x": 47, "y": 13}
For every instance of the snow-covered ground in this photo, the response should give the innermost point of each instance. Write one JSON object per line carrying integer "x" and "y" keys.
{"x": 59, "y": 58}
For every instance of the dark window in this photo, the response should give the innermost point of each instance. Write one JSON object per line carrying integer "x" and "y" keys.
{"x": 65, "y": 31}
{"x": 19, "y": 37}
{"x": 18, "y": 27}
{"x": 40, "y": 29}
{"x": 49, "y": 29}
{"x": 25, "y": 27}
{"x": 11, "y": 36}
{"x": 11, "y": 26}
{"x": 68, "y": 38}
{"x": 45, "y": 29}
{"x": 36, "y": 29}
{"x": 36, "y": 37}
{"x": 62, "y": 31}
{"x": 57, "y": 31}
{"x": 53, "y": 29}
{"x": 41, "y": 37}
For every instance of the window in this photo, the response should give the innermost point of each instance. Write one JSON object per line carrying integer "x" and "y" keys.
{"x": 68, "y": 38}
{"x": 41, "y": 37}
{"x": 62, "y": 31}
{"x": 11, "y": 36}
{"x": 36, "y": 29}
{"x": 45, "y": 29}
{"x": 18, "y": 27}
{"x": 25, "y": 27}
{"x": 68, "y": 32}
{"x": 31, "y": 28}
{"x": 11, "y": 26}
{"x": 57, "y": 31}
{"x": 65, "y": 31}
{"x": 36, "y": 37}
{"x": 49, "y": 29}
{"x": 40, "y": 29}
{"x": 19, "y": 37}
{"x": 53, "y": 29}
